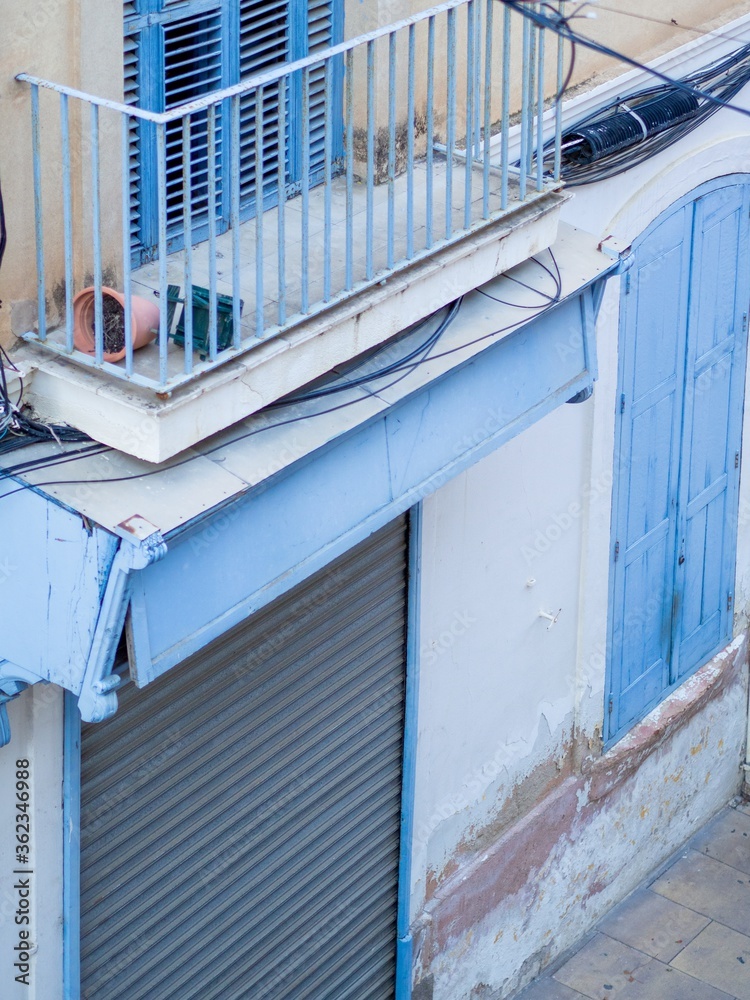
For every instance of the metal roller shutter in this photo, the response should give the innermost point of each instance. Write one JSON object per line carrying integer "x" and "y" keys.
{"x": 240, "y": 817}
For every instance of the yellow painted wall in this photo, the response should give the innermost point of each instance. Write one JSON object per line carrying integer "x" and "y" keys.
{"x": 79, "y": 43}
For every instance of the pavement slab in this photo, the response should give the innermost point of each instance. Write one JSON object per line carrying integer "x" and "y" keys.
{"x": 686, "y": 936}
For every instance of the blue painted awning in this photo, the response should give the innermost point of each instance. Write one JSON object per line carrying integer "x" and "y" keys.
{"x": 195, "y": 547}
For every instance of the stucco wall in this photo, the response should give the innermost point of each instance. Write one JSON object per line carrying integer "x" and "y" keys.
{"x": 78, "y": 42}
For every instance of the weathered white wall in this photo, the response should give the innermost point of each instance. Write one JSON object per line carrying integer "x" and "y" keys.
{"x": 36, "y": 719}
{"x": 501, "y": 543}
{"x": 511, "y": 714}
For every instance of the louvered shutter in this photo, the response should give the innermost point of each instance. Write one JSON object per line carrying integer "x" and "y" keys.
{"x": 190, "y": 59}
{"x": 320, "y": 34}
{"x": 240, "y": 817}
{"x": 264, "y": 43}
{"x": 192, "y": 69}
{"x": 270, "y": 34}
{"x": 132, "y": 97}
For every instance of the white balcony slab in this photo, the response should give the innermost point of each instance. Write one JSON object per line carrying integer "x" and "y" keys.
{"x": 140, "y": 423}
{"x": 113, "y": 487}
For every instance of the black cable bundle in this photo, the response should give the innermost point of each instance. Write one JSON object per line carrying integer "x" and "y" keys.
{"x": 612, "y": 140}
{"x": 640, "y": 125}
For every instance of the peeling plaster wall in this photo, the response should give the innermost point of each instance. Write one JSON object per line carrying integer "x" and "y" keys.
{"x": 515, "y": 906}
{"x": 525, "y": 834}
{"x": 497, "y": 684}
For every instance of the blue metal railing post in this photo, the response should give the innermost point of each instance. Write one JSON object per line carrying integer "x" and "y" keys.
{"x": 558, "y": 105}
{"x": 540, "y": 113}
{"x": 68, "y": 219}
{"x": 410, "y": 126}
{"x": 327, "y": 178}
{"x": 505, "y": 115}
{"x": 525, "y": 106}
{"x": 126, "y": 251}
{"x": 304, "y": 278}
{"x": 429, "y": 195}
{"x": 349, "y": 160}
{"x": 38, "y": 215}
{"x": 234, "y": 217}
{"x": 161, "y": 176}
{"x": 97, "y": 238}
{"x": 370, "y": 156}
{"x": 451, "y": 121}
{"x": 488, "y": 28}
{"x": 281, "y": 200}
{"x": 213, "y": 318}
{"x": 259, "y": 157}
{"x": 187, "y": 228}
{"x": 470, "y": 78}
{"x": 391, "y": 149}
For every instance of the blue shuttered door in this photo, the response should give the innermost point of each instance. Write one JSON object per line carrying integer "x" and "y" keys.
{"x": 679, "y": 417}
{"x": 264, "y": 33}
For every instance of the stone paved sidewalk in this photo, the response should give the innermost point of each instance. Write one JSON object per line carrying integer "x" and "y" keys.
{"x": 686, "y": 936}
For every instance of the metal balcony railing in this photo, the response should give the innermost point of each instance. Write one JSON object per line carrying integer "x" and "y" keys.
{"x": 272, "y": 200}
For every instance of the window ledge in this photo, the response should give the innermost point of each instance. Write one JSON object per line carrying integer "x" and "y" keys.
{"x": 674, "y": 713}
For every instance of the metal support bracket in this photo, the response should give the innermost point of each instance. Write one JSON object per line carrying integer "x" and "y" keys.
{"x": 142, "y": 545}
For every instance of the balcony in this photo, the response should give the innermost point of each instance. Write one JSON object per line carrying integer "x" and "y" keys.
{"x": 284, "y": 225}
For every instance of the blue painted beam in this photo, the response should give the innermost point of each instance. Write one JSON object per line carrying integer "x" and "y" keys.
{"x": 230, "y": 564}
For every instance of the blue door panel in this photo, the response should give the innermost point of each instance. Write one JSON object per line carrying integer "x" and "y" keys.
{"x": 650, "y": 486}
{"x": 652, "y": 362}
{"x": 643, "y": 640}
{"x": 679, "y": 434}
{"x": 711, "y": 437}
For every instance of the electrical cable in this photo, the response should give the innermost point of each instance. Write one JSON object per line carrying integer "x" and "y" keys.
{"x": 341, "y": 386}
{"x": 407, "y": 369}
{"x": 698, "y": 32}
{"x": 560, "y": 26}
{"x": 623, "y": 134}
{"x": 553, "y": 299}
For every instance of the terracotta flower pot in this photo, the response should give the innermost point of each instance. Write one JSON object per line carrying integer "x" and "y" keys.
{"x": 144, "y": 319}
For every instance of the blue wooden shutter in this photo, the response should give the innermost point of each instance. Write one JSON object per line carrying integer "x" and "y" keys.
{"x": 190, "y": 48}
{"x": 704, "y": 571}
{"x": 193, "y": 60}
{"x": 264, "y": 43}
{"x": 174, "y": 57}
{"x": 132, "y": 96}
{"x": 322, "y": 31}
{"x": 647, "y": 465}
{"x": 682, "y": 380}
{"x": 273, "y": 32}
